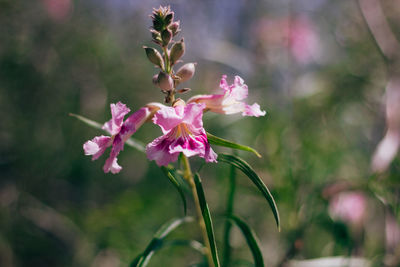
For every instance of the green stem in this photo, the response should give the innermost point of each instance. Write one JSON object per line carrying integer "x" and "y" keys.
{"x": 188, "y": 175}
{"x": 167, "y": 66}
{"x": 168, "y": 69}
{"x": 229, "y": 212}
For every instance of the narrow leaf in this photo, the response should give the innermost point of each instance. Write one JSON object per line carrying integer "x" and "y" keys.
{"x": 94, "y": 124}
{"x": 251, "y": 240}
{"x": 226, "y": 257}
{"x": 212, "y": 139}
{"x": 157, "y": 241}
{"x": 207, "y": 218}
{"x": 249, "y": 172}
{"x": 177, "y": 185}
{"x": 194, "y": 244}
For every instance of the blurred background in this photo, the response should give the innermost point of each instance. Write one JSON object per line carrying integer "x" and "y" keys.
{"x": 326, "y": 72}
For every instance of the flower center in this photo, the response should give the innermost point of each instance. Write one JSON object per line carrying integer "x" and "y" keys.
{"x": 182, "y": 130}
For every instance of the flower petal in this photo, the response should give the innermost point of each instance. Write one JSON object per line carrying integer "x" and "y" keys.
{"x": 97, "y": 146}
{"x": 194, "y": 115}
{"x": 118, "y": 112}
{"x": 168, "y": 117}
{"x": 239, "y": 90}
{"x": 223, "y": 84}
{"x": 158, "y": 150}
{"x": 112, "y": 165}
{"x": 212, "y": 102}
{"x": 253, "y": 110}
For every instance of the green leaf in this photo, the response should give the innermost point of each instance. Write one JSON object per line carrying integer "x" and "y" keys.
{"x": 251, "y": 240}
{"x": 138, "y": 145}
{"x": 249, "y": 172}
{"x": 194, "y": 244}
{"x": 226, "y": 258}
{"x": 177, "y": 185}
{"x": 207, "y": 218}
{"x": 157, "y": 242}
{"x": 214, "y": 140}
{"x": 93, "y": 124}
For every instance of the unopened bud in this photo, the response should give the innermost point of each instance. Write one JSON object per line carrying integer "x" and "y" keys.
{"x": 156, "y": 36}
{"x": 154, "y": 56}
{"x": 166, "y": 37}
{"x": 174, "y": 27}
{"x": 169, "y": 18}
{"x": 164, "y": 81}
{"x": 158, "y": 24}
{"x": 177, "y": 51}
{"x": 186, "y": 72}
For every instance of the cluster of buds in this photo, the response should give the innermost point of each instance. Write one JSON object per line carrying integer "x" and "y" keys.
{"x": 163, "y": 32}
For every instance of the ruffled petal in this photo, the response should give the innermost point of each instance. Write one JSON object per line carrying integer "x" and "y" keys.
{"x": 118, "y": 112}
{"x": 168, "y": 118}
{"x": 194, "y": 115}
{"x": 189, "y": 146}
{"x": 223, "y": 84}
{"x": 239, "y": 90}
{"x": 158, "y": 150}
{"x": 112, "y": 165}
{"x": 253, "y": 110}
{"x": 97, "y": 146}
{"x": 207, "y": 153}
{"x": 231, "y": 102}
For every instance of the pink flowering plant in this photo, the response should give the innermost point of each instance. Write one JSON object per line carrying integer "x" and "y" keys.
{"x": 183, "y": 136}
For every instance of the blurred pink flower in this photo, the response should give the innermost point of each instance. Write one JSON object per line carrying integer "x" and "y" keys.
{"x": 392, "y": 232}
{"x": 349, "y": 207}
{"x": 120, "y": 132}
{"x": 389, "y": 146}
{"x": 297, "y": 34}
{"x": 58, "y": 10}
{"x": 183, "y": 130}
{"x": 230, "y": 101}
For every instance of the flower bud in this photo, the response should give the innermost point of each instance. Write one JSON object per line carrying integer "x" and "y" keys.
{"x": 164, "y": 81}
{"x": 156, "y": 36}
{"x": 162, "y": 17}
{"x": 169, "y": 18}
{"x": 154, "y": 56}
{"x": 174, "y": 28}
{"x": 186, "y": 72}
{"x": 177, "y": 51}
{"x": 166, "y": 37}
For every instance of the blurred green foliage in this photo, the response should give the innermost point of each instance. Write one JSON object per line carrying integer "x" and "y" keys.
{"x": 324, "y": 119}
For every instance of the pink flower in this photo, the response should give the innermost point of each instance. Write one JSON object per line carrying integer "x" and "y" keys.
{"x": 182, "y": 126}
{"x": 120, "y": 132}
{"x": 349, "y": 206}
{"x": 230, "y": 101}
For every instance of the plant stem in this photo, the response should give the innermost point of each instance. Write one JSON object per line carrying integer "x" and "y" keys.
{"x": 167, "y": 66}
{"x": 188, "y": 175}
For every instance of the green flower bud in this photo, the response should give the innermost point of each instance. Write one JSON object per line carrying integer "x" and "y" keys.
{"x": 154, "y": 56}
{"x": 166, "y": 37}
{"x": 177, "y": 51}
{"x": 186, "y": 72}
{"x": 169, "y": 18}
